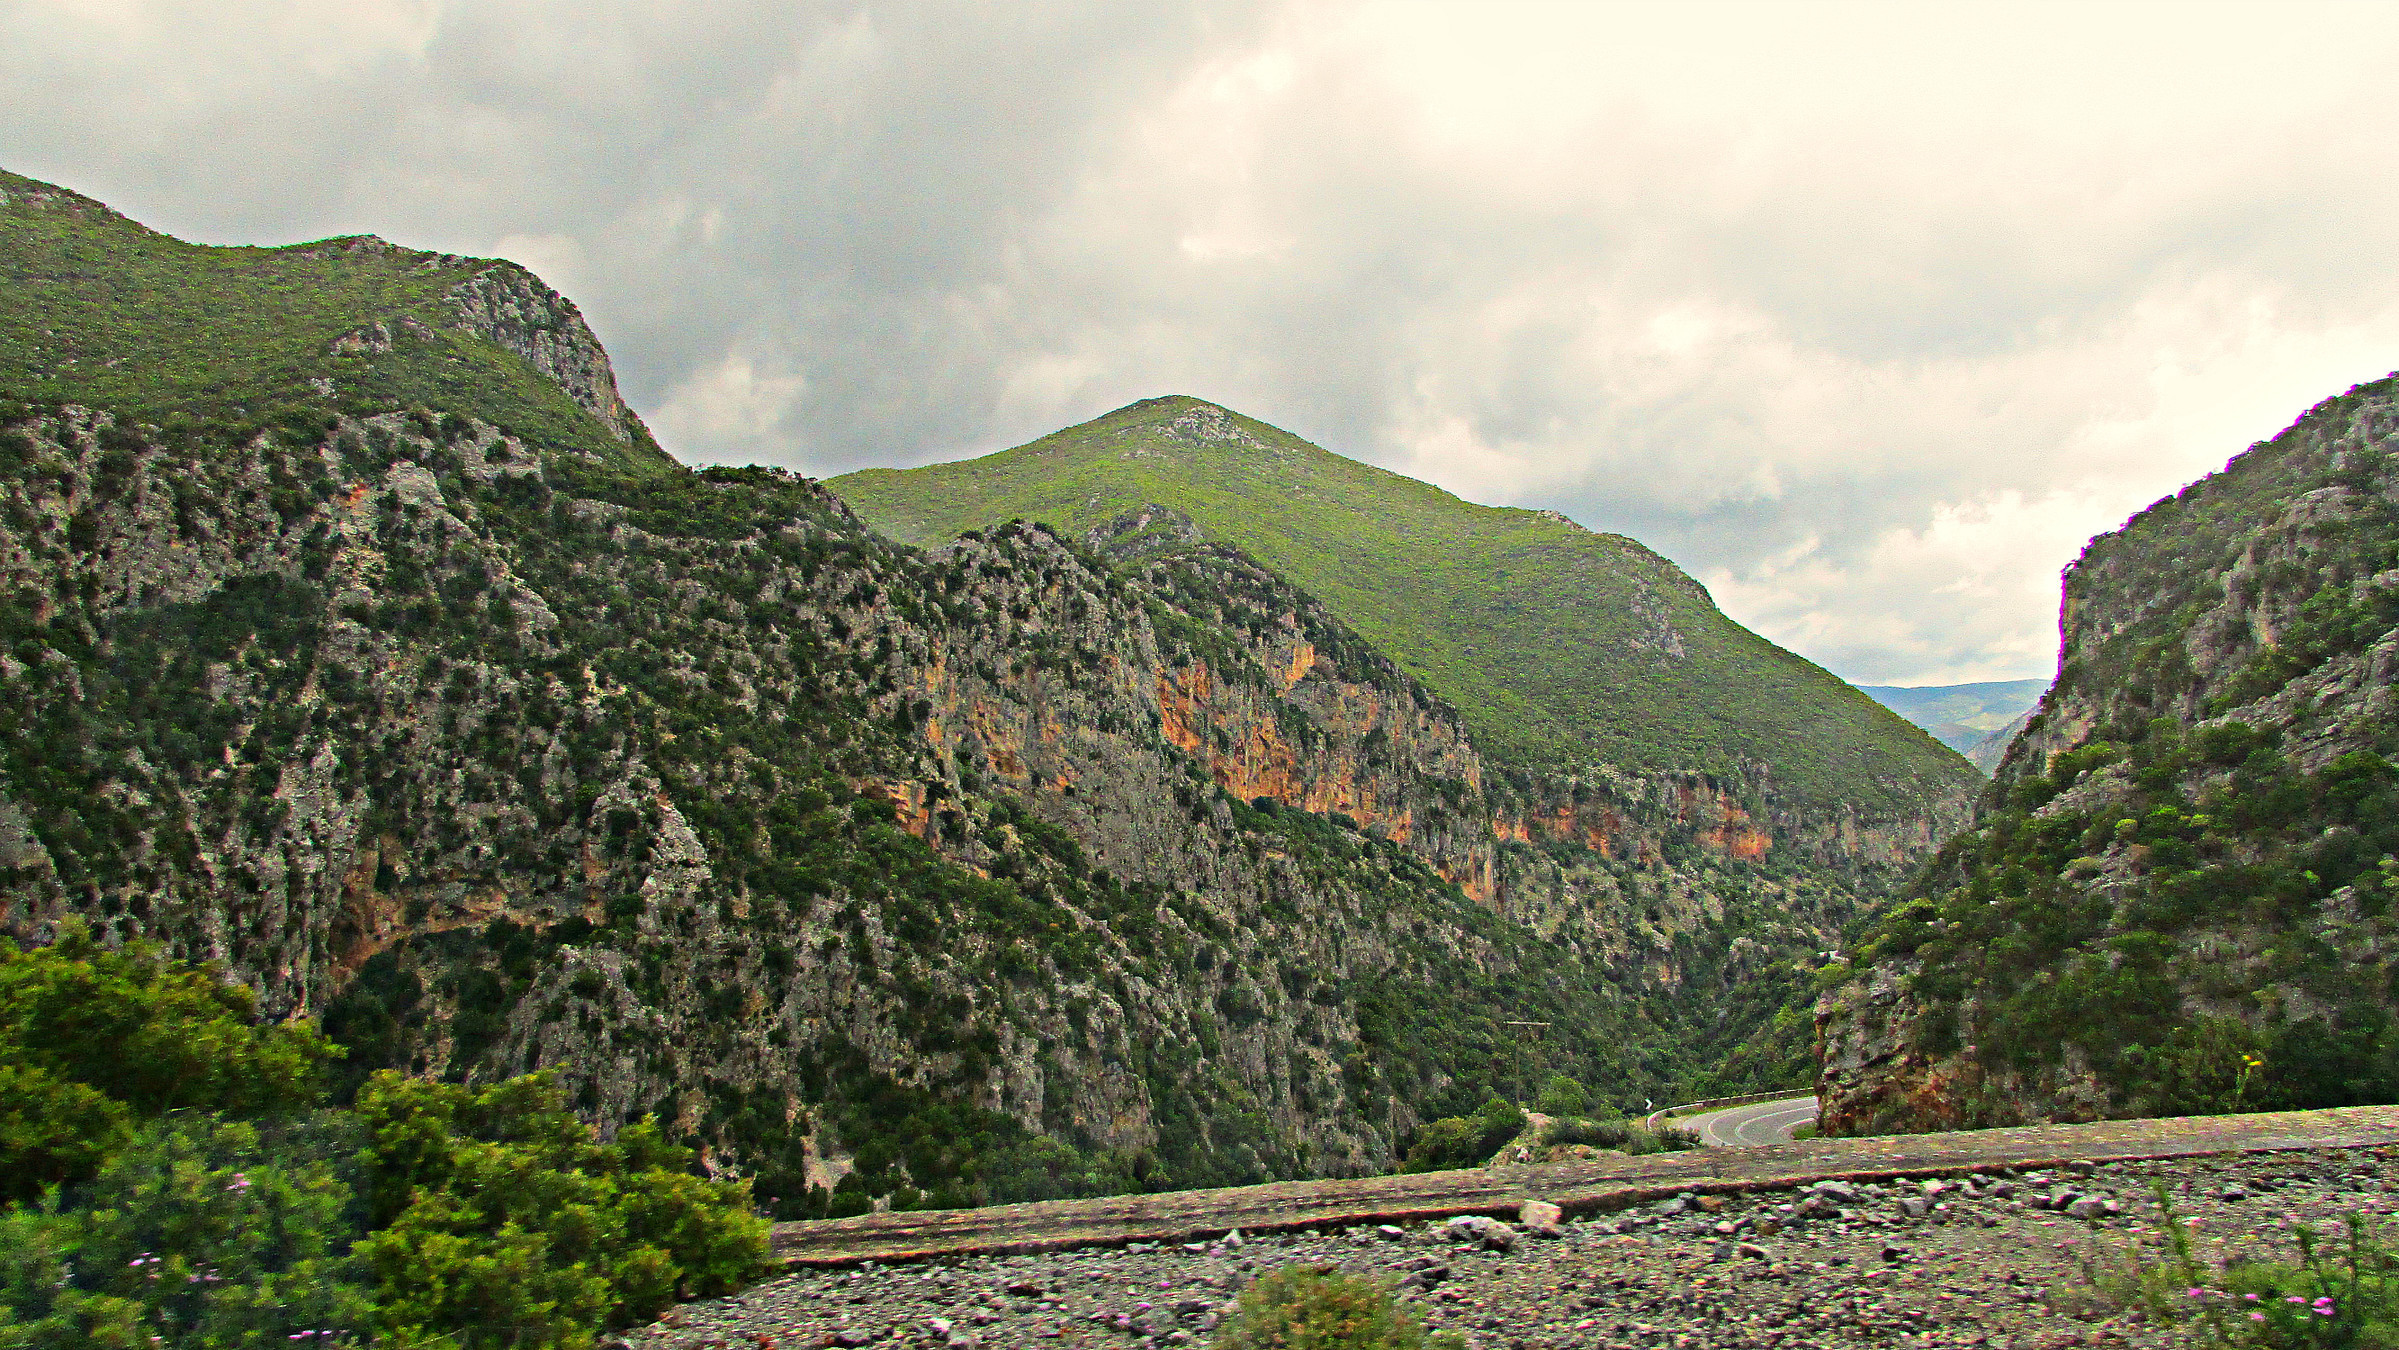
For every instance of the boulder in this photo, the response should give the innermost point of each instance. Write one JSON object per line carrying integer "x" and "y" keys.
{"x": 1486, "y": 1232}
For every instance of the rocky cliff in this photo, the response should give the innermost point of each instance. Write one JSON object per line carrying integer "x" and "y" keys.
{"x": 367, "y": 646}
{"x": 725, "y": 808}
{"x": 1570, "y": 654}
{"x": 2178, "y": 894}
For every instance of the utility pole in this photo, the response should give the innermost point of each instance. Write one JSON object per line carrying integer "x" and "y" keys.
{"x": 1525, "y": 1031}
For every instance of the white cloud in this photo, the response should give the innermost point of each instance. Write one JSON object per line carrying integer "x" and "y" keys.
{"x": 729, "y": 402}
{"x": 1960, "y": 598}
{"x": 1867, "y": 313}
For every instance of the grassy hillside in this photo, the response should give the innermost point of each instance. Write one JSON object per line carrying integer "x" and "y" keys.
{"x": 105, "y": 312}
{"x": 1562, "y": 647}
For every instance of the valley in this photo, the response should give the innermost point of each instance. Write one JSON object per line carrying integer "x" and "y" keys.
{"x": 1168, "y": 804}
{"x": 398, "y": 673}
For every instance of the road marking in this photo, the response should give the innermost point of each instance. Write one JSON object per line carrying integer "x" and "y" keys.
{"x": 1774, "y": 1127}
{"x": 1753, "y": 1124}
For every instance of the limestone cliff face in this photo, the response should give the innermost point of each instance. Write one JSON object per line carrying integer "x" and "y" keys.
{"x": 1639, "y": 876}
{"x": 1014, "y": 867}
{"x": 2183, "y": 863}
{"x": 700, "y": 794}
{"x": 510, "y": 306}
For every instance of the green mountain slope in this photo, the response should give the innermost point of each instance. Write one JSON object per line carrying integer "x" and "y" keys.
{"x": 1560, "y": 646}
{"x": 1005, "y": 871}
{"x": 105, "y": 312}
{"x": 2179, "y": 894}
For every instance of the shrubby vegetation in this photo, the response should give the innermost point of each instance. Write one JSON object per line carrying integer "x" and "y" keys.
{"x": 222, "y": 1207}
{"x": 1465, "y": 1141}
{"x": 2180, "y": 898}
{"x": 2341, "y": 1293}
{"x": 93, "y": 1042}
{"x": 1620, "y": 1135}
{"x": 2038, "y": 957}
{"x": 1322, "y": 1308}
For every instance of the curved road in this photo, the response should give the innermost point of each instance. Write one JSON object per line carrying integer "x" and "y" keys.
{"x": 1756, "y": 1123}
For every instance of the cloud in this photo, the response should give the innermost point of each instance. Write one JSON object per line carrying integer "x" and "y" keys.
{"x": 1867, "y": 314}
{"x": 730, "y": 402}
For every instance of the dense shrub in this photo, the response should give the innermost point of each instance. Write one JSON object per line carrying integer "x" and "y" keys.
{"x": 1320, "y": 1308}
{"x": 1620, "y": 1135}
{"x": 1562, "y": 1096}
{"x": 501, "y": 1221}
{"x": 430, "y": 1215}
{"x": 92, "y": 1039}
{"x": 199, "y": 1233}
{"x": 1465, "y": 1141}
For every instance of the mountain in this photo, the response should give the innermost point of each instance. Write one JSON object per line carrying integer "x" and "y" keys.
{"x": 2178, "y": 896}
{"x": 1972, "y": 719}
{"x": 1986, "y": 754}
{"x": 397, "y": 672}
{"x": 105, "y": 312}
{"x": 1563, "y": 649}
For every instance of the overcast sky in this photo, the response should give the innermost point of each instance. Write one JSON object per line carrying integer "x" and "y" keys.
{"x": 1867, "y": 315}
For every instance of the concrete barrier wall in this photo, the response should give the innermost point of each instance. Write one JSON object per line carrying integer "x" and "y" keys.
{"x": 1580, "y": 1187}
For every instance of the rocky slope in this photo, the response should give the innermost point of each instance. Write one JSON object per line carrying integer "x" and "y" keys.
{"x": 1568, "y": 652}
{"x": 396, "y": 670}
{"x": 729, "y": 810}
{"x": 2178, "y": 894}
{"x": 1987, "y": 753}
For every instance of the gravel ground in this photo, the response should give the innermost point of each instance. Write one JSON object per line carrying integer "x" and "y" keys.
{"x": 1995, "y": 1258}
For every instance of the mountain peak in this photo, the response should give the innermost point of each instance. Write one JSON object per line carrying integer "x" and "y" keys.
{"x": 154, "y": 327}
{"x": 1155, "y": 428}
{"x": 1562, "y": 648}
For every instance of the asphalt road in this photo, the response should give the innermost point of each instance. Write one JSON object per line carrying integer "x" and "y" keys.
{"x": 1756, "y": 1123}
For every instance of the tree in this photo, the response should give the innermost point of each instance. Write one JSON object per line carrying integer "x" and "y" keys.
{"x": 93, "y": 1039}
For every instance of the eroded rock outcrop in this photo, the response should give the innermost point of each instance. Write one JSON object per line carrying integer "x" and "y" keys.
{"x": 2178, "y": 897}
{"x": 701, "y": 795}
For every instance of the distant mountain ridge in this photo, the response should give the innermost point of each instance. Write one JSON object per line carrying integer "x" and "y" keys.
{"x": 1976, "y": 720}
{"x": 1566, "y": 651}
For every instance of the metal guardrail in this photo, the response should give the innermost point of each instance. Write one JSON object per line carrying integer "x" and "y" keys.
{"x": 1650, "y": 1121}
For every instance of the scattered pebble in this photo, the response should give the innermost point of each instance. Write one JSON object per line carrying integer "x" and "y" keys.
{"x": 1992, "y": 1260}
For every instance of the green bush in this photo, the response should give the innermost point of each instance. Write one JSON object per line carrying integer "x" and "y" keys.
{"x": 92, "y": 1038}
{"x": 501, "y": 1221}
{"x": 1562, "y": 1096}
{"x": 1674, "y": 1140}
{"x": 196, "y": 1233}
{"x": 1320, "y": 1308}
{"x": 1614, "y": 1134}
{"x": 1500, "y": 1121}
{"x": 430, "y": 1215}
{"x": 54, "y": 1131}
{"x": 1465, "y": 1141}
